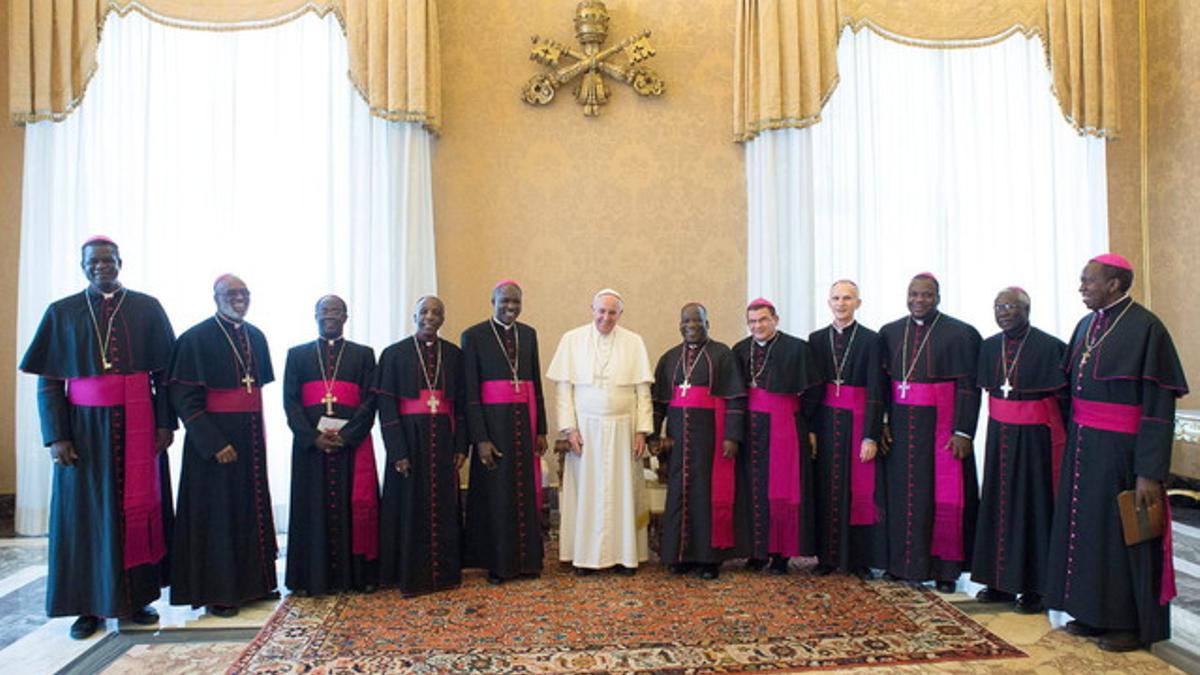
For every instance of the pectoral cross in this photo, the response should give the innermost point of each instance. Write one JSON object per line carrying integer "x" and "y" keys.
{"x": 838, "y": 385}
{"x": 248, "y": 380}
{"x": 683, "y": 388}
{"x": 903, "y": 388}
{"x": 516, "y": 384}
{"x": 1006, "y": 387}
{"x": 433, "y": 402}
{"x": 106, "y": 363}
{"x": 328, "y": 400}
{"x": 1087, "y": 354}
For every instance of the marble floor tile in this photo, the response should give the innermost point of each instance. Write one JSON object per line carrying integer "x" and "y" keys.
{"x": 23, "y": 609}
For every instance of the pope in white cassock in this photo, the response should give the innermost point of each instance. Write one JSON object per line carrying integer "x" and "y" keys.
{"x": 604, "y": 413}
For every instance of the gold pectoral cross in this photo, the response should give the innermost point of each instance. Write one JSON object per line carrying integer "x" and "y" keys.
{"x": 248, "y": 380}
{"x": 433, "y": 402}
{"x": 1087, "y": 354}
{"x": 106, "y": 363}
{"x": 328, "y": 399}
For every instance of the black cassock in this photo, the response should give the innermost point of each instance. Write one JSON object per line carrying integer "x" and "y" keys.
{"x": 841, "y": 544}
{"x": 224, "y": 551}
{"x": 1091, "y": 574}
{"x": 420, "y": 523}
{"x": 950, "y": 355}
{"x": 504, "y": 533}
{"x": 784, "y": 367}
{"x": 333, "y": 526}
{"x": 87, "y": 574}
{"x": 1012, "y": 535}
{"x": 687, "y": 520}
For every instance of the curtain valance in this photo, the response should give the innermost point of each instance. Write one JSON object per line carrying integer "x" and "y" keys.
{"x": 393, "y": 47}
{"x": 785, "y": 56}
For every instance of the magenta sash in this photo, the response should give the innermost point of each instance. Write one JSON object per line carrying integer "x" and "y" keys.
{"x": 235, "y": 400}
{"x": 1042, "y": 411}
{"x": 785, "y": 476}
{"x": 497, "y": 392}
{"x": 862, "y": 474}
{"x": 145, "y": 541}
{"x": 364, "y": 494}
{"x": 1127, "y": 419}
{"x": 722, "y": 483}
{"x": 1118, "y": 417}
{"x": 949, "y": 496}
{"x": 420, "y": 405}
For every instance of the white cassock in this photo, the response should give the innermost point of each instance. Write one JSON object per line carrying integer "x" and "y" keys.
{"x": 604, "y": 392}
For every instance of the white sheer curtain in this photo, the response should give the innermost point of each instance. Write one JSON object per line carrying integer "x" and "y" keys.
{"x": 954, "y": 161}
{"x": 206, "y": 152}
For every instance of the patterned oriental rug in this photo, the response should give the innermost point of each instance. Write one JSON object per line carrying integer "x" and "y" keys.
{"x": 654, "y": 621}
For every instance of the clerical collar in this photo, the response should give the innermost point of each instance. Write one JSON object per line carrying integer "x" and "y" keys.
{"x": 332, "y": 342}
{"x": 1102, "y": 310}
{"x": 505, "y": 326}
{"x": 1020, "y": 334}
{"x": 921, "y": 322}
{"x": 102, "y": 294}
{"x": 843, "y": 329}
{"x": 764, "y": 343}
{"x": 231, "y": 322}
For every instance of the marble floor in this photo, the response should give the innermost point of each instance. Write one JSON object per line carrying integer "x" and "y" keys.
{"x": 190, "y": 641}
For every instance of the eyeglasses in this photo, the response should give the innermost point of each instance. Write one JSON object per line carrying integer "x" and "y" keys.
{"x": 1006, "y": 306}
{"x": 236, "y": 293}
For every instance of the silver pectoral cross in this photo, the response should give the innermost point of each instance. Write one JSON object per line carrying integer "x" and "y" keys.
{"x": 1006, "y": 388}
{"x": 433, "y": 402}
{"x": 248, "y": 380}
{"x": 328, "y": 399}
{"x": 903, "y": 387}
{"x": 516, "y": 384}
{"x": 683, "y": 388}
{"x": 838, "y": 386}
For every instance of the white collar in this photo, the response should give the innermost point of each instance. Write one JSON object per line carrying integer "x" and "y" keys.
{"x": 1102, "y": 310}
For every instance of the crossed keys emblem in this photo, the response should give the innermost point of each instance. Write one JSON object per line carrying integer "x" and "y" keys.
{"x": 591, "y": 64}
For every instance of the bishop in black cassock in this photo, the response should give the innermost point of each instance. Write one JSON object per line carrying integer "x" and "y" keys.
{"x": 932, "y": 492}
{"x": 333, "y": 526}
{"x": 100, "y": 356}
{"x": 419, "y": 383}
{"x": 1124, "y": 376}
{"x": 1021, "y": 369}
{"x": 506, "y": 421}
{"x": 698, "y": 391}
{"x": 849, "y": 477}
{"x": 774, "y": 501}
{"x": 224, "y": 553}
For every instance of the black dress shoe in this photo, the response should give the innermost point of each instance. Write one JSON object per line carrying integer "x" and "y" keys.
{"x": 680, "y": 568}
{"x": 945, "y": 586}
{"x": 1119, "y": 641}
{"x": 991, "y": 595}
{"x": 755, "y": 564}
{"x": 222, "y": 611}
{"x": 863, "y": 573}
{"x": 584, "y": 571}
{"x": 888, "y": 576}
{"x": 779, "y": 565}
{"x": 495, "y": 579}
{"x": 1030, "y": 603}
{"x": 625, "y": 571}
{"x": 300, "y": 592}
{"x": 1081, "y": 629}
{"x": 146, "y": 616}
{"x": 84, "y": 626}
{"x": 823, "y": 570}
{"x": 273, "y": 595}
{"x": 710, "y": 572}
{"x": 369, "y": 589}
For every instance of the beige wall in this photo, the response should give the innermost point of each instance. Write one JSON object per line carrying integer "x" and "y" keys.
{"x": 649, "y": 198}
{"x": 12, "y": 141}
{"x": 1174, "y": 149}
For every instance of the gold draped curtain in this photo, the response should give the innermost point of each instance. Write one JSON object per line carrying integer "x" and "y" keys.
{"x": 785, "y": 56}
{"x": 393, "y": 47}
